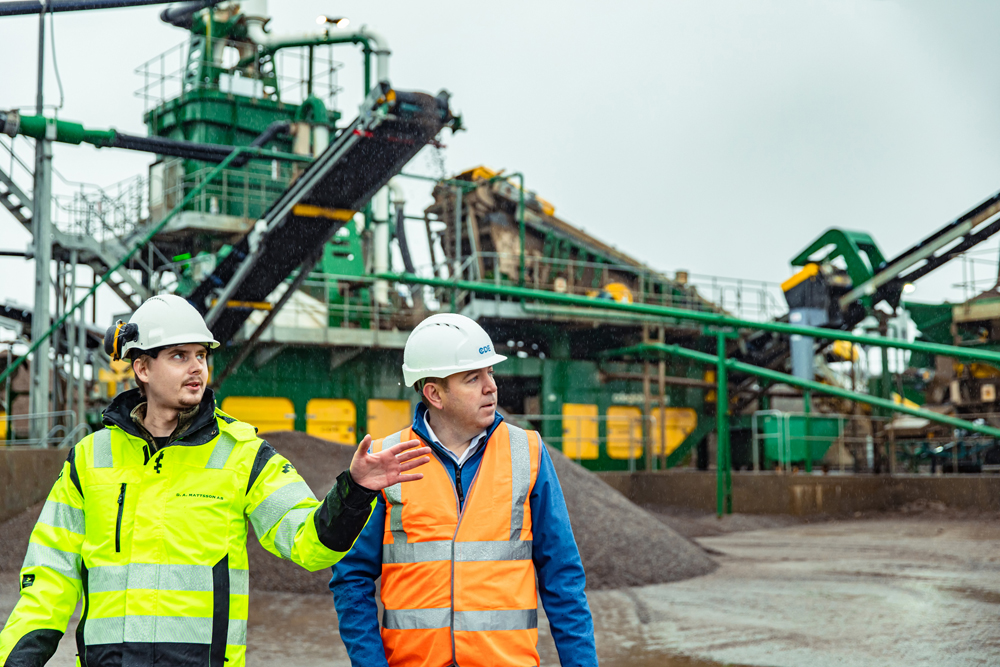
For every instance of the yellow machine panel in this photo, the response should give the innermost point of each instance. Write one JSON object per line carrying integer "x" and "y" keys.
{"x": 267, "y": 413}
{"x": 579, "y": 431}
{"x": 680, "y": 423}
{"x": 333, "y": 419}
{"x": 624, "y": 431}
{"x": 3, "y": 425}
{"x": 385, "y": 417}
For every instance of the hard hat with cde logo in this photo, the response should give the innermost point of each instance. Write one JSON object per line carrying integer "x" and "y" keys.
{"x": 446, "y": 344}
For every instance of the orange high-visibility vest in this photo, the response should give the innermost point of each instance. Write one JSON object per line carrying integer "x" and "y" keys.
{"x": 459, "y": 588}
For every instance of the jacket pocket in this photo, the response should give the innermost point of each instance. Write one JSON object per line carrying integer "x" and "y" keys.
{"x": 118, "y": 525}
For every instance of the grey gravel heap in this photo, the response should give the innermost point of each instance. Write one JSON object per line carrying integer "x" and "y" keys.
{"x": 621, "y": 544}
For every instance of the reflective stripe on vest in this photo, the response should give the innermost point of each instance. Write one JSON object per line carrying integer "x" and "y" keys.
{"x": 65, "y": 563}
{"x": 468, "y": 621}
{"x": 145, "y": 629}
{"x": 102, "y": 450}
{"x": 163, "y": 577}
{"x": 223, "y": 448}
{"x": 61, "y": 515}
{"x": 440, "y": 565}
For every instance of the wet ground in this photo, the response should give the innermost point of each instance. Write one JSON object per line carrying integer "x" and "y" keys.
{"x": 891, "y": 590}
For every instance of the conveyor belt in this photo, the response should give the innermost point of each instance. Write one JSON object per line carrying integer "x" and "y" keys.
{"x": 392, "y": 128}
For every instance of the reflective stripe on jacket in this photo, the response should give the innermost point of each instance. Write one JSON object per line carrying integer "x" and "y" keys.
{"x": 459, "y": 586}
{"x": 155, "y": 542}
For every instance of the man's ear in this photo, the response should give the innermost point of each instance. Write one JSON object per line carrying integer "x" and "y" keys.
{"x": 140, "y": 370}
{"x": 432, "y": 392}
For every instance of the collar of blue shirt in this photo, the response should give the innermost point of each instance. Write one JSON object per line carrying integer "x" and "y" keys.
{"x": 477, "y": 443}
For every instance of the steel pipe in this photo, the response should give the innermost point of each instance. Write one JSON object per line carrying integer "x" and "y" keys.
{"x": 706, "y": 318}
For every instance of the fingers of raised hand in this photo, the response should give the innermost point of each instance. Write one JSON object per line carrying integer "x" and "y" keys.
{"x": 403, "y": 446}
{"x": 365, "y": 443}
{"x": 414, "y": 454}
{"x": 410, "y": 478}
{"x": 410, "y": 465}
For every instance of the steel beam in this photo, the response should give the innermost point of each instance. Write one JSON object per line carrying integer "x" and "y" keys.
{"x": 706, "y": 318}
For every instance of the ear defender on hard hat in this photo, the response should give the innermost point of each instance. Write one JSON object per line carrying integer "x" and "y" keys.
{"x": 117, "y": 335}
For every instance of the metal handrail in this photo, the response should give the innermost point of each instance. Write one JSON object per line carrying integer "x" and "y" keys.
{"x": 71, "y": 436}
{"x": 10, "y": 421}
{"x": 705, "y": 292}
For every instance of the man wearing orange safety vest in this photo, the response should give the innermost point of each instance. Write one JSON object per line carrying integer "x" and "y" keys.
{"x": 458, "y": 551}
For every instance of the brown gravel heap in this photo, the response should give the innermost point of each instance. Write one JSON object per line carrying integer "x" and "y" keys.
{"x": 319, "y": 462}
{"x": 621, "y": 544}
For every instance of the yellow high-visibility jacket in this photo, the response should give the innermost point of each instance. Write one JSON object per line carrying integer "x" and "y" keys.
{"x": 154, "y": 540}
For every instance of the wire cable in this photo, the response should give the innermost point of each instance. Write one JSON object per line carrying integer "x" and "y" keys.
{"x": 55, "y": 63}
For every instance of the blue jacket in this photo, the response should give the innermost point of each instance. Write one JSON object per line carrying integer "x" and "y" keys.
{"x": 561, "y": 579}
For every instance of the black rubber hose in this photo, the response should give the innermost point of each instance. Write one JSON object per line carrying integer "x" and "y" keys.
{"x": 24, "y": 7}
{"x": 182, "y": 15}
{"x": 172, "y": 147}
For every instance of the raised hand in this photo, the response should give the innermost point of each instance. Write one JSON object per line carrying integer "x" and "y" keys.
{"x": 385, "y": 468}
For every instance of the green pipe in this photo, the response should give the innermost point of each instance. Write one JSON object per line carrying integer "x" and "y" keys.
{"x": 315, "y": 106}
{"x": 319, "y": 40}
{"x": 135, "y": 248}
{"x": 723, "y": 455}
{"x": 750, "y": 369}
{"x": 75, "y": 133}
{"x": 368, "y": 68}
{"x": 66, "y": 132}
{"x": 884, "y": 385}
{"x": 807, "y": 410}
{"x": 707, "y": 318}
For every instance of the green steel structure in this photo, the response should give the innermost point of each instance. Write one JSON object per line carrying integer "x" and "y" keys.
{"x": 280, "y": 222}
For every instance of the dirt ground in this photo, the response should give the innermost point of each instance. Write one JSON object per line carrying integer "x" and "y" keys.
{"x": 920, "y": 587}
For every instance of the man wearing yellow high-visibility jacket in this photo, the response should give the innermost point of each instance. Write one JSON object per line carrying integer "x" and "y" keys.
{"x": 148, "y": 519}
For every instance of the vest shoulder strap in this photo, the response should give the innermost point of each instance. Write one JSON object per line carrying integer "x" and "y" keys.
{"x": 388, "y": 441}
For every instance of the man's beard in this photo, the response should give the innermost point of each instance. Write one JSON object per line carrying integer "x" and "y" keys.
{"x": 186, "y": 403}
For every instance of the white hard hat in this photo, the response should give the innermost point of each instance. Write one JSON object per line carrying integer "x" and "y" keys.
{"x": 162, "y": 320}
{"x": 446, "y": 344}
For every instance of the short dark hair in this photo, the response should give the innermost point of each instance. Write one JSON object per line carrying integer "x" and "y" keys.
{"x": 423, "y": 382}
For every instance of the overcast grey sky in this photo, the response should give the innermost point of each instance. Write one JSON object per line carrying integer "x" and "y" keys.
{"x": 719, "y": 137}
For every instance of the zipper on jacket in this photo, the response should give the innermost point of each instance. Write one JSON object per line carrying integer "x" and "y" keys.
{"x": 458, "y": 487}
{"x": 118, "y": 528}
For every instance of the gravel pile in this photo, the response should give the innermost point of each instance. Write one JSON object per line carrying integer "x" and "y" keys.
{"x": 319, "y": 462}
{"x": 621, "y": 544}
{"x": 14, "y": 534}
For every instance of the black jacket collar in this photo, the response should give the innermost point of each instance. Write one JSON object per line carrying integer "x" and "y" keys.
{"x": 202, "y": 430}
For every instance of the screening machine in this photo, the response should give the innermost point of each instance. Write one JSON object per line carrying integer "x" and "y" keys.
{"x": 392, "y": 127}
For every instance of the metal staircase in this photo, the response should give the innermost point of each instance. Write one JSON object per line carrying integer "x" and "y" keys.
{"x": 100, "y": 255}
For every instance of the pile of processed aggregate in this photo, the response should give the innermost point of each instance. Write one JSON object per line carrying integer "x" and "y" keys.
{"x": 620, "y": 543}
